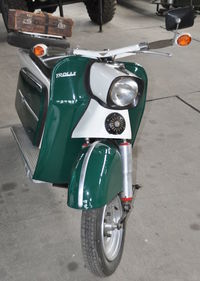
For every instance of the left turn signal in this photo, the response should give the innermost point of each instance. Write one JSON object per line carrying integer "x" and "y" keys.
{"x": 40, "y": 50}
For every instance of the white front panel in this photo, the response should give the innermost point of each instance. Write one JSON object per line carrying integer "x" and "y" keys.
{"x": 92, "y": 123}
{"x": 102, "y": 76}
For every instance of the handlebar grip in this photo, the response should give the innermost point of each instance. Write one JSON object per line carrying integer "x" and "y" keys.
{"x": 161, "y": 44}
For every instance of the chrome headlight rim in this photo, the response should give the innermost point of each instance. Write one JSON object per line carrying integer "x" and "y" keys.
{"x": 140, "y": 84}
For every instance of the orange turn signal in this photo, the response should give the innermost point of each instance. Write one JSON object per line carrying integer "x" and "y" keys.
{"x": 184, "y": 39}
{"x": 40, "y": 50}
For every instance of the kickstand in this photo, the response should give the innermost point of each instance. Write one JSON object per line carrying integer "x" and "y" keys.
{"x": 100, "y": 15}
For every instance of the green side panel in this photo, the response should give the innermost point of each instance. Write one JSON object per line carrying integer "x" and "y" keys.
{"x": 103, "y": 179}
{"x": 36, "y": 98}
{"x": 136, "y": 113}
{"x": 68, "y": 102}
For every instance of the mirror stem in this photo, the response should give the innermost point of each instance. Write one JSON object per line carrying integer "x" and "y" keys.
{"x": 178, "y": 21}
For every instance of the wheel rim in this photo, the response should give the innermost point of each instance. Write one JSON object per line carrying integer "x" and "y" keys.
{"x": 111, "y": 236}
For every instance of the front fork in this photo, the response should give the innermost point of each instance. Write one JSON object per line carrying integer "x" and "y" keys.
{"x": 129, "y": 190}
{"x": 125, "y": 149}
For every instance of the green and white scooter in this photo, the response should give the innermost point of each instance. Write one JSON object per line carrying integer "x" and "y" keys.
{"x": 80, "y": 112}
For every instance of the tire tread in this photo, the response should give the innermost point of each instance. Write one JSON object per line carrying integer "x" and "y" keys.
{"x": 89, "y": 242}
{"x": 92, "y": 245}
{"x": 109, "y": 7}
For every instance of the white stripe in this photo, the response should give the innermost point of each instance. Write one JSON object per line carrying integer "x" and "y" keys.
{"x": 83, "y": 173}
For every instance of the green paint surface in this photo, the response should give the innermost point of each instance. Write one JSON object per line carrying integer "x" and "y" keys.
{"x": 103, "y": 179}
{"x": 68, "y": 102}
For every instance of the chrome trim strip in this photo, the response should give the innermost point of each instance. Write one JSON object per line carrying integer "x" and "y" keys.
{"x": 83, "y": 173}
{"x": 28, "y": 106}
{"x": 54, "y": 58}
{"x": 29, "y": 173}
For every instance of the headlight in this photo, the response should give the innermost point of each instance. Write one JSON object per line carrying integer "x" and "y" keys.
{"x": 124, "y": 92}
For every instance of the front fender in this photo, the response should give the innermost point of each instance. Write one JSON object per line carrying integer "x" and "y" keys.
{"x": 96, "y": 178}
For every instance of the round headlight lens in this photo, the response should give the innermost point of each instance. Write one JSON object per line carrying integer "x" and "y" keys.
{"x": 124, "y": 92}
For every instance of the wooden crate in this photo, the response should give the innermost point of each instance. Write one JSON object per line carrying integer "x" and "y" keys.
{"x": 42, "y": 23}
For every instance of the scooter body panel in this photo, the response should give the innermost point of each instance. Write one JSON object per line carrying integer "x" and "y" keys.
{"x": 68, "y": 101}
{"x": 31, "y": 104}
{"x": 97, "y": 176}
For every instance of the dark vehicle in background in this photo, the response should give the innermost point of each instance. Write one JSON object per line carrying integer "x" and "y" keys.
{"x": 168, "y": 4}
{"x": 50, "y": 6}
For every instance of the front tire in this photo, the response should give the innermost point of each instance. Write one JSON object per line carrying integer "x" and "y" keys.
{"x": 109, "y": 7}
{"x": 102, "y": 243}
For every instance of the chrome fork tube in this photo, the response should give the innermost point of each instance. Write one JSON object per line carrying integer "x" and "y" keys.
{"x": 126, "y": 156}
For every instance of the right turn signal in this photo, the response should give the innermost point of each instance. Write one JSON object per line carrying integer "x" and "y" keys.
{"x": 184, "y": 39}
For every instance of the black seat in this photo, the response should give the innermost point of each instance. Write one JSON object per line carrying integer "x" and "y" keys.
{"x": 27, "y": 41}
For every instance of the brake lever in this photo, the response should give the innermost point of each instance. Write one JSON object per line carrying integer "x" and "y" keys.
{"x": 156, "y": 53}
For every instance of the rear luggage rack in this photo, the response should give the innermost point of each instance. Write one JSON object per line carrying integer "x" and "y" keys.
{"x": 29, "y": 152}
{"x": 42, "y": 23}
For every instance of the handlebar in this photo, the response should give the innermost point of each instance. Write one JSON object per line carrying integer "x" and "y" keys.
{"x": 143, "y": 47}
{"x": 116, "y": 53}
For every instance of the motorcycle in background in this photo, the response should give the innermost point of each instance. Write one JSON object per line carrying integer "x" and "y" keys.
{"x": 80, "y": 112}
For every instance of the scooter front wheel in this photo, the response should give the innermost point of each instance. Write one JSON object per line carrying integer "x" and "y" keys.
{"x": 102, "y": 241}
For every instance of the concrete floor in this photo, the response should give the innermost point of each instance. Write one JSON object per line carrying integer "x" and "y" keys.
{"x": 39, "y": 234}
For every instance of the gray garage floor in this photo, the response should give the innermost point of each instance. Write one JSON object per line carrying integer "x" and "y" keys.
{"x": 39, "y": 234}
